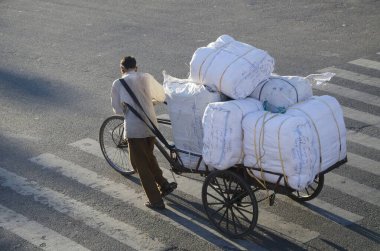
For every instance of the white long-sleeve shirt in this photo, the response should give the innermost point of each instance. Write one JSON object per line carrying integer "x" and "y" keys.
{"x": 145, "y": 88}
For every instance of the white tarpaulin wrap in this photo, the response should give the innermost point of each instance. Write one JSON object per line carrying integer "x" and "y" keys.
{"x": 231, "y": 67}
{"x": 223, "y": 133}
{"x": 187, "y": 102}
{"x": 280, "y": 92}
{"x": 279, "y": 143}
{"x": 329, "y": 131}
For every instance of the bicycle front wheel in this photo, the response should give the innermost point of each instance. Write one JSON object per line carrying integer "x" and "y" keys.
{"x": 114, "y": 147}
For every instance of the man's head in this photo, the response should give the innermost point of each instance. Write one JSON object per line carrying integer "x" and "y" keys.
{"x": 128, "y": 64}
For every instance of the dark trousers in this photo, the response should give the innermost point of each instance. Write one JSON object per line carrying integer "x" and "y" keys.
{"x": 143, "y": 160}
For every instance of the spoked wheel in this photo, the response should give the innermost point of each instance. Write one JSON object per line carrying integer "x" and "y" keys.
{"x": 311, "y": 191}
{"x": 230, "y": 203}
{"x": 114, "y": 149}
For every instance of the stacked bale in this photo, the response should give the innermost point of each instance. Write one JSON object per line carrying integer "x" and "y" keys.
{"x": 273, "y": 124}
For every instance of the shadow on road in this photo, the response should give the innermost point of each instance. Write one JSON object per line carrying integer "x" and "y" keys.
{"x": 31, "y": 89}
{"x": 260, "y": 236}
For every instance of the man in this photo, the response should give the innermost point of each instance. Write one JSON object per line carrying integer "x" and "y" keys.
{"x": 140, "y": 137}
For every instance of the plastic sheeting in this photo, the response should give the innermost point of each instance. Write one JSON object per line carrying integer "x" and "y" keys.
{"x": 231, "y": 67}
{"x": 223, "y": 133}
{"x": 187, "y": 102}
{"x": 329, "y": 131}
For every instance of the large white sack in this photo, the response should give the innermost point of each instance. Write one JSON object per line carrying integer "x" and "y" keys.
{"x": 329, "y": 131}
{"x": 232, "y": 67}
{"x": 279, "y": 143}
{"x": 280, "y": 92}
{"x": 223, "y": 133}
{"x": 187, "y": 102}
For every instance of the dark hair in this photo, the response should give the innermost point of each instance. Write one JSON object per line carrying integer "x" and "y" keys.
{"x": 128, "y": 62}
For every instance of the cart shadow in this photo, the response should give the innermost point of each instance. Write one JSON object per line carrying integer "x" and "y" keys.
{"x": 333, "y": 245}
{"x": 367, "y": 233}
{"x": 260, "y": 236}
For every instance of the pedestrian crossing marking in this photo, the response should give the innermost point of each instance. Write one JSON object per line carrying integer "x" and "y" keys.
{"x": 363, "y": 163}
{"x": 353, "y": 188}
{"x": 364, "y": 117}
{"x": 366, "y": 63}
{"x": 35, "y": 233}
{"x": 353, "y": 76}
{"x": 349, "y": 93}
{"x": 363, "y": 139}
{"x": 118, "y": 230}
{"x": 320, "y": 207}
{"x": 126, "y": 194}
{"x": 266, "y": 219}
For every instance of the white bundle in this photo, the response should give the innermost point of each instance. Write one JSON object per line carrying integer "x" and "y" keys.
{"x": 231, "y": 67}
{"x": 223, "y": 133}
{"x": 329, "y": 131}
{"x": 279, "y": 143}
{"x": 187, "y": 102}
{"x": 280, "y": 92}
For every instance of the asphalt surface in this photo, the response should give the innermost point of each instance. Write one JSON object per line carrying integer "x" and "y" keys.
{"x": 58, "y": 60}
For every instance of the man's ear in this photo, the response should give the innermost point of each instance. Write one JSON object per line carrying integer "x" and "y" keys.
{"x": 122, "y": 69}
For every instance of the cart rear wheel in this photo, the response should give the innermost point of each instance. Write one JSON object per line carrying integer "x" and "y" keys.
{"x": 311, "y": 191}
{"x": 230, "y": 203}
{"x": 114, "y": 149}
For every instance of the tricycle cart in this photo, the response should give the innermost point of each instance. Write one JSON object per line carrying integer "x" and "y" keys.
{"x": 228, "y": 196}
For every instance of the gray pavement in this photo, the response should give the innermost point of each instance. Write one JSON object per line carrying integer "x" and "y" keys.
{"x": 58, "y": 60}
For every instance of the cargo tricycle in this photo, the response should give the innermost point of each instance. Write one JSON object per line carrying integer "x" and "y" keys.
{"x": 228, "y": 196}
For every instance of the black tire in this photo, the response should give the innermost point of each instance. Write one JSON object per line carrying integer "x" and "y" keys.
{"x": 230, "y": 203}
{"x": 311, "y": 191}
{"x": 114, "y": 150}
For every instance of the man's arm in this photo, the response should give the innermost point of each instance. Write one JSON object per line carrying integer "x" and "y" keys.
{"x": 115, "y": 98}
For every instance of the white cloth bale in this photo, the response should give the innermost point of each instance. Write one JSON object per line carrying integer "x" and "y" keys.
{"x": 232, "y": 67}
{"x": 223, "y": 133}
{"x": 329, "y": 131}
{"x": 187, "y": 102}
{"x": 280, "y": 92}
{"x": 279, "y": 143}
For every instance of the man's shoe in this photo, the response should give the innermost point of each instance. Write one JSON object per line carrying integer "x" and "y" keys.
{"x": 155, "y": 206}
{"x": 168, "y": 188}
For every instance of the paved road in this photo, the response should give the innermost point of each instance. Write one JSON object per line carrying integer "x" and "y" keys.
{"x": 58, "y": 60}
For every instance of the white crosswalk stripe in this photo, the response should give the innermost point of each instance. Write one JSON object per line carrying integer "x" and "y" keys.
{"x": 366, "y": 63}
{"x": 124, "y": 233}
{"x": 35, "y": 233}
{"x": 353, "y": 188}
{"x": 355, "y": 77}
{"x": 126, "y": 194}
{"x": 363, "y": 163}
{"x": 364, "y": 117}
{"x": 188, "y": 186}
{"x": 327, "y": 210}
{"x": 363, "y": 139}
{"x": 349, "y": 93}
